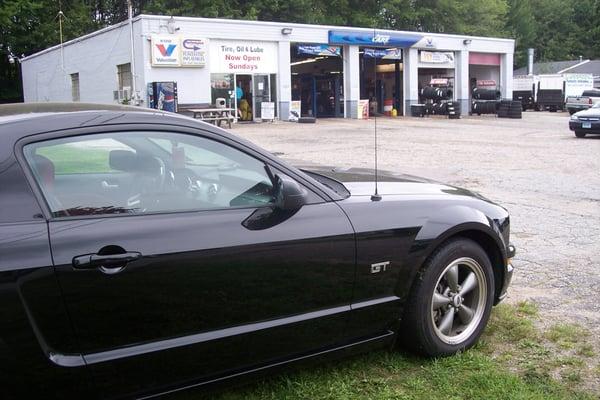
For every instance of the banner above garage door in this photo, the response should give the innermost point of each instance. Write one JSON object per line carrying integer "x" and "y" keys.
{"x": 374, "y": 38}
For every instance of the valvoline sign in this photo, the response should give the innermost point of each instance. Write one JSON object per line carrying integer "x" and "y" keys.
{"x": 372, "y": 39}
{"x": 166, "y": 50}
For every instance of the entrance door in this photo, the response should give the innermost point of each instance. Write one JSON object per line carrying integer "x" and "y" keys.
{"x": 243, "y": 96}
{"x": 172, "y": 268}
{"x": 262, "y": 93}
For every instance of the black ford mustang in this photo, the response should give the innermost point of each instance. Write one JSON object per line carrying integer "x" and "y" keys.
{"x": 143, "y": 253}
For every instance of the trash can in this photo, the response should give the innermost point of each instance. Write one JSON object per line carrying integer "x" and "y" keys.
{"x": 417, "y": 110}
{"x": 388, "y": 105}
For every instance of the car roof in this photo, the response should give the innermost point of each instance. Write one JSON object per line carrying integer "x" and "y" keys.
{"x": 15, "y": 109}
{"x": 25, "y": 119}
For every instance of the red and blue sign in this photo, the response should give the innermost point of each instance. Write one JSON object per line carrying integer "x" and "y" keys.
{"x": 166, "y": 51}
{"x": 373, "y": 39}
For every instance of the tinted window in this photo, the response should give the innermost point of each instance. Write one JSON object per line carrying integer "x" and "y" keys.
{"x": 145, "y": 172}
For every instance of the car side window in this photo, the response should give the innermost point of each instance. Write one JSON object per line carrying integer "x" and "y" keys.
{"x": 145, "y": 172}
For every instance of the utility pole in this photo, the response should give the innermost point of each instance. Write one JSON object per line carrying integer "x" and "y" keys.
{"x": 134, "y": 91}
{"x": 60, "y": 17}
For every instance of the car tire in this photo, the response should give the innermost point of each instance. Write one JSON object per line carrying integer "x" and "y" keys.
{"x": 571, "y": 111}
{"x": 580, "y": 134}
{"x": 451, "y": 300}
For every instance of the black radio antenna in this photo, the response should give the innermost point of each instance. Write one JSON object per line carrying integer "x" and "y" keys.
{"x": 375, "y": 196}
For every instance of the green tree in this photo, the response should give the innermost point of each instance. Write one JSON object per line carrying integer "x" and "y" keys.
{"x": 521, "y": 26}
{"x": 557, "y": 29}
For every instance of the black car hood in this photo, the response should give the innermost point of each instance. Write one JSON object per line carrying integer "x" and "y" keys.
{"x": 361, "y": 182}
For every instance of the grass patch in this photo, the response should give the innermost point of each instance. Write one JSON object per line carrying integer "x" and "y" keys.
{"x": 567, "y": 336}
{"x": 513, "y": 323}
{"x": 512, "y": 361}
{"x": 586, "y": 350}
{"x": 70, "y": 159}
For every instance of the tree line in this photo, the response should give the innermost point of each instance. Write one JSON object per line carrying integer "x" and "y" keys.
{"x": 557, "y": 29}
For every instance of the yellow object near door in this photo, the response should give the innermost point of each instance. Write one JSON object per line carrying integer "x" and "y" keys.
{"x": 246, "y": 111}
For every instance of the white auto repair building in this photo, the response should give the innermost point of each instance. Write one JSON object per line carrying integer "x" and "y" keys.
{"x": 300, "y": 69}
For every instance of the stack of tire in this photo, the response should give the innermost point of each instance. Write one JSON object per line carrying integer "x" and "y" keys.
{"x": 484, "y": 107}
{"x": 453, "y": 109}
{"x": 510, "y": 109}
{"x": 436, "y": 99}
{"x": 429, "y": 108}
{"x": 485, "y": 101}
{"x": 486, "y": 94}
{"x": 436, "y": 94}
{"x": 438, "y": 109}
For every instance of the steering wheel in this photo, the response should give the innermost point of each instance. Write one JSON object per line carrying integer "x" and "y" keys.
{"x": 152, "y": 180}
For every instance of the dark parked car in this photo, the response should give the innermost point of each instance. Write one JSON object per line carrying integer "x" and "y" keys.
{"x": 143, "y": 253}
{"x": 586, "y": 121}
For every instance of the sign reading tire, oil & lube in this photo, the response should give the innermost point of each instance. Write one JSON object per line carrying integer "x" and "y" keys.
{"x": 178, "y": 51}
{"x": 243, "y": 57}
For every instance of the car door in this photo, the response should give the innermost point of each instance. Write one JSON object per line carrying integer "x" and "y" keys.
{"x": 190, "y": 271}
{"x": 36, "y": 339}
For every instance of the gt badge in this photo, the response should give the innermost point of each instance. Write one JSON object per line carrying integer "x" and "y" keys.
{"x": 379, "y": 267}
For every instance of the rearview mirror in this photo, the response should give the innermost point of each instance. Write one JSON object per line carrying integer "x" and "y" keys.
{"x": 290, "y": 195}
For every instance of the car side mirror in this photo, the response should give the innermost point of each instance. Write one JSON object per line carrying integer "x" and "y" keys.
{"x": 290, "y": 195}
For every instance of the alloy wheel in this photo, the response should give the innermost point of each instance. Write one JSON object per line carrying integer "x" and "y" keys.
{"x": 459, "y": 300}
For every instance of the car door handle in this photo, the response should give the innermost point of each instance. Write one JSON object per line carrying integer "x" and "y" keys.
{"x": 91, "y": 261}
{"x": 106, "y": 185}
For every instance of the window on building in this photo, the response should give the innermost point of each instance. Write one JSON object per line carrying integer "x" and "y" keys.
{"x": 75, "y": 86}
{"x": 124, "y": 75}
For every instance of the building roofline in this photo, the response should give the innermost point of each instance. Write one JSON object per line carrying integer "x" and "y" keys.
{"x": 299, "y": 25}
{"x": 82, "y": 38}
{"x": 562, "y": 71}
{"x": 252, "y": 22}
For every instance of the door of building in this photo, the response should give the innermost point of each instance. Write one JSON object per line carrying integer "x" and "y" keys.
{"x": 262, "y": 93}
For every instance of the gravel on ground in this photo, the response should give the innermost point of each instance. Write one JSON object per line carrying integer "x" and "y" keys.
{"x": 535, "y": 167}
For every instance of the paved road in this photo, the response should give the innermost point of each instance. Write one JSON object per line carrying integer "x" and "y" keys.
{"x": 548, "y": 179}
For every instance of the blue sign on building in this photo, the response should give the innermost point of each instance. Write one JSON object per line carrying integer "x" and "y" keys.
{"x": 319, "y": 50}
{"x": 379, "y": 39}
{"x": 388, "y": 54}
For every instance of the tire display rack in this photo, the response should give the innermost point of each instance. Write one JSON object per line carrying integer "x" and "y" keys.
{"x": 484, "y": 99}
{"x": 437, "y": 99}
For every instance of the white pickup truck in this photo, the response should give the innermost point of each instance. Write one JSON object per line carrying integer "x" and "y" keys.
{"x": 587, "y": 99}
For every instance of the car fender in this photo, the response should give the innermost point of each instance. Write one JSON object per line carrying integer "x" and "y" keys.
{"x": 445, "y": 223}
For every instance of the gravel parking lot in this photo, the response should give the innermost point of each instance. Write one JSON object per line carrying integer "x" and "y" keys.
{"x": 548, "y": 179}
